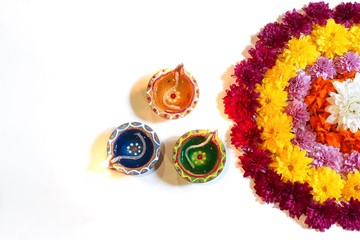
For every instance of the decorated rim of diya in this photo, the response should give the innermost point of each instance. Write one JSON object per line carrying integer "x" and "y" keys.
{"x": 199, "y": 156}
{"x": 133, "y": 148}
{"x": 172, "y": 93}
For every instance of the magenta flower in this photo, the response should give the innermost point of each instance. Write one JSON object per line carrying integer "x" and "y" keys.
{"x": 297, "y": 23}
{"x": 347, "y": 13}
{"x": 247, "y": 74}
{"x": 322, "y": 216}
{"x": 262, "y": 57}
{"x": 255, "y": 161}
{"x": 323, "y": 67}
{"x": 268, "y": 185}
{"x": 318, "y": 12}
{"x": 275, "y": 36}
{"x": 350, "y": 215}
{"x": 295, "y": 197}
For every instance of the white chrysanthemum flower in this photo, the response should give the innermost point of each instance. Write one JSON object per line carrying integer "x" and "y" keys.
{"x": 345, "y": 105}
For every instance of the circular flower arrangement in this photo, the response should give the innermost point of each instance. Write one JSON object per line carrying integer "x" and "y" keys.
{"x": 296, "y": 112}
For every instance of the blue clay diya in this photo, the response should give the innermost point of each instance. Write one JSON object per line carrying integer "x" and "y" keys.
{"x": 133, "y": 148}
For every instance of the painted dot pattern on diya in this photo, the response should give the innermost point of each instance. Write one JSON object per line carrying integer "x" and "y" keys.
{"x": 199, "y": 156}
{"x": 172, "y": 93}
{"x": 133, "y": 148}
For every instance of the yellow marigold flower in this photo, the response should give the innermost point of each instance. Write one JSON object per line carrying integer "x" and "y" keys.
{"x": 326, "y": 183}
{"x": 271, "y": 98}
{"x": 300, "y": 52}
{"x": 280, "y": 74}
{"x": 292, "y": 164}
{"x": 352, "y": 186}
{"x": 355, "y": 38}
{"x": 277, "y": 131}
{"x": 332, "y": 39}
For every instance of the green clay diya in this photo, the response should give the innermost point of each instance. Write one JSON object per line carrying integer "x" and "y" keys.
{"x": 172, "y": 93}
{"x": 199, "y": 156}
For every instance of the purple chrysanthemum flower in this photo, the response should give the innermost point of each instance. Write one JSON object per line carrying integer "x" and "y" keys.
{"x": 327, "y": 156}
{"x": 323, "y": 67}
{"x": 305, "y": 138}
{"x": 247, "y": 73}
{"x": 350, "y": 215}
{"x": 263, "y": 57}
{"x": 268, "y": 185}
{"x": 347, "y": 13}
{"x": 351, "y": 162}
{"x": 295, "y": 197}
{"x": 297, "y": 23}
{"x": 318, "y": 12}
{"x": 275, "y": 36}
{"x": 299, "y": 86}
{"x": 322, "y": 216}
{"x": 254, "y": 161}
{"x": 347, "y": 63}
{"x": 299, "y": 113}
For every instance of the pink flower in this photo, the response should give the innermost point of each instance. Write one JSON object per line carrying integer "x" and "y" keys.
{"x": 323, "y": 67}
{"x": 351, "y": 162}
{"x": 327, "y": 156}
{"x": 299, "y": 86}
{"x": 305, "y": 138}
{"x": 347, "y": 63}
{"x": 299, "y": 113}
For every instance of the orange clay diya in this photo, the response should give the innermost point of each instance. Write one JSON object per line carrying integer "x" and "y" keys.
{"x": 172, "y": 93}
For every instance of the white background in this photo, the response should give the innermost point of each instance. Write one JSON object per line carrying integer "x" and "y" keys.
{"x": 71, "y": 71}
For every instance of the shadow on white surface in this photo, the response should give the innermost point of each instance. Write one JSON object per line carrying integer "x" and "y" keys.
{"x": 139, "y": 101}
{"x": 166, "y": 170}
{"x": 98, "y": 155}
{"x": 227, "y": 79}
{"x": 253, "y": 40}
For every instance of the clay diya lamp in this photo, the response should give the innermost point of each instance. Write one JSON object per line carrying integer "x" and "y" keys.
{"x": 172, "y": 93}
{"x": 199, "y": 156}
{"x": 133, "y": 148}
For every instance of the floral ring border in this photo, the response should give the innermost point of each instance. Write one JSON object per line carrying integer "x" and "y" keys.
{"x": 272, "y": 42}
